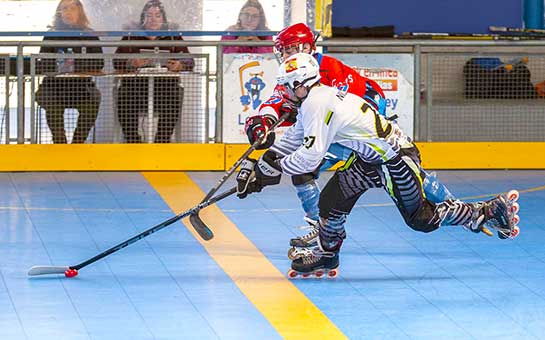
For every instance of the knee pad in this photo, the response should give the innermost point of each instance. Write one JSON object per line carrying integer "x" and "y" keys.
{"x": 302, "y": 179}
{"x": 308, "y": 177}
{"x": 423, "y": 220}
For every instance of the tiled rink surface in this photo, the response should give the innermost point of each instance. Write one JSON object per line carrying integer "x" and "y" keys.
{"x": 393, "y": 282}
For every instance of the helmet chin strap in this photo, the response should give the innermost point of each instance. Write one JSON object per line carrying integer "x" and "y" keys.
{"x": 302, "y": 99}
{"x": 295, "y": 102}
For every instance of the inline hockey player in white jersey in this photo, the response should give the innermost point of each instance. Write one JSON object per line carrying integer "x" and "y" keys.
{"x": 300, "y": 38}
{"x": 383, "y": 157}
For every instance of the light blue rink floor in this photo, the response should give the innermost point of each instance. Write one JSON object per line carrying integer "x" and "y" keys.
{"x": 394, "y": 283}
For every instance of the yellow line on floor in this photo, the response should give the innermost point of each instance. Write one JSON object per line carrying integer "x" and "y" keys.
{"x": 288, "y": 310}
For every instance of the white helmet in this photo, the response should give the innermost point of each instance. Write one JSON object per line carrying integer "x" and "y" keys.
{"x": 301, "y": 69}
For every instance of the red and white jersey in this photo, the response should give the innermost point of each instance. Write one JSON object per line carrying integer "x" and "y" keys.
{"x": 329, "y": 116}
{"x": 333, "y": 73}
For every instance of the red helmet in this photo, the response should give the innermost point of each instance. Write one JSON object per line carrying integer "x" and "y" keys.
{"x": 294, "y": 35}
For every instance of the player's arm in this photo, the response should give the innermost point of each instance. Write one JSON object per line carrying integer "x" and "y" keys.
{"x": 256, "y": 174}
{"x": 318, "y": 136}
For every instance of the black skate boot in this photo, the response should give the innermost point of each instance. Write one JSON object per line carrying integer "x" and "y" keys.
{"x": 499, "y": 213}
{"x": 316, "y": 263}
{"x": 309, "y": 239}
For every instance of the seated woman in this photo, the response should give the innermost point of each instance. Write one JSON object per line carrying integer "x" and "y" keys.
{"x": 57, "y": 93}
{"x": 132, "y": 96}
{"x": 250, "y": 18}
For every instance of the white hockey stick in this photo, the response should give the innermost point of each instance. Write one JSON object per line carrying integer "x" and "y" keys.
{"x": 43, "y": 270}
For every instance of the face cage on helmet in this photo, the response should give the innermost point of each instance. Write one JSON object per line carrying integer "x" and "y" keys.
{"x": 298, "y": 47}
{"x": 291, "y": 96}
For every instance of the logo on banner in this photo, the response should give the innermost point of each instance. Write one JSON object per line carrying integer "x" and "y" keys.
{"x": 251, "y": 85}
{"x": 387, "y": 79}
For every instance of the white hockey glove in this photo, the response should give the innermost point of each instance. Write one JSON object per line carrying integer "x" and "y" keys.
{"x": 246, "y": 178}
{"x": 254, "y": 175}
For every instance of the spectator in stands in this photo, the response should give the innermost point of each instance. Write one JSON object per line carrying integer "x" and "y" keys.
{"x": 58, "y": 92}
{"x": 132, "y": 95}
{"x": 250, "y": 18}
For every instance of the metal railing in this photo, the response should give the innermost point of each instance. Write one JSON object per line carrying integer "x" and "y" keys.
{"x": 4, "y": 98}
{"x": 443, "y": 109}
{"x": 120, "y": 104}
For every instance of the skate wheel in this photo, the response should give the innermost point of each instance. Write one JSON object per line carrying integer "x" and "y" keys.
{"x": 332, "y": 273}
{"x": 516, "y": 219}
{"x": 513, "y": 195}
{"x": 319, "y": 274}
{"x": 292, "y": 274}
{"x": 515, "y": 208}
{"x": 515, "y": 232}
{"x": 306, "y": 275}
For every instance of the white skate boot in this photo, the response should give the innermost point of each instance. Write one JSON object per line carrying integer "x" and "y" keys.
{"x": 499, "y": 213}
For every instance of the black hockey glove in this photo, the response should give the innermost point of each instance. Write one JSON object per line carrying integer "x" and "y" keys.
{"x": 246, "y": 178}
{"x": 268, "y": 170}
{"x": 258, "y": 125}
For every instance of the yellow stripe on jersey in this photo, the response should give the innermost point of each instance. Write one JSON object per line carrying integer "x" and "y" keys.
{"x": 381, "y": 152}
{"x": 328, "y": 117}
{"x": 348, "y": 162}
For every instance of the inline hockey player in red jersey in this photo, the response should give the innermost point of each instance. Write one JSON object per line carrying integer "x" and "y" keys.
{"x": 382, "y": 157}
{"x": 300, "y": 38}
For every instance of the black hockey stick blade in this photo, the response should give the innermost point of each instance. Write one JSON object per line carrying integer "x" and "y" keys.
{"x": 196, "y": 222}
{"x": 200, "y": 227}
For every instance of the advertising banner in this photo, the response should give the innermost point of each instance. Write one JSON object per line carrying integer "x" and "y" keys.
{"x": 248, "y": 81}
{"x": 395, "y": 75}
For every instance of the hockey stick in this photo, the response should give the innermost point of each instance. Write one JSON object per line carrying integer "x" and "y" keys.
{"x": 196, "y": 222}
{"x": 70, "y": 271}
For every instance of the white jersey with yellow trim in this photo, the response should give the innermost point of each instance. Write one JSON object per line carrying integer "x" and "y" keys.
{"x": 330, "y": 116}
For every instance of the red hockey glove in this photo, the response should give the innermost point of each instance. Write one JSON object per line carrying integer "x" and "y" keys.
{"x": 258, "y": 125}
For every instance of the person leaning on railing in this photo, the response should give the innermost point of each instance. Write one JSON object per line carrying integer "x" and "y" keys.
{"x": 132, "y": 95}
{"x": 250, "y": 18}
{"x": 68, "y": 82}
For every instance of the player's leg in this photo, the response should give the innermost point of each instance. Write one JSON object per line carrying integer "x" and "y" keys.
{"x": 322, "y": 259}
{"x": 403, "y": 182}
{"x": 88, "y": 112}
{"x": 168, "y": 102}
{"x": 336, "y": 202}
{"x": 305, "y": 185}
{"x": 308, "y": 192}
{"x": 54, "y": 115}
{"x": 498, "y": 213}
{"x": 131, "y": 99}
{"x": 435, "y": 190}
